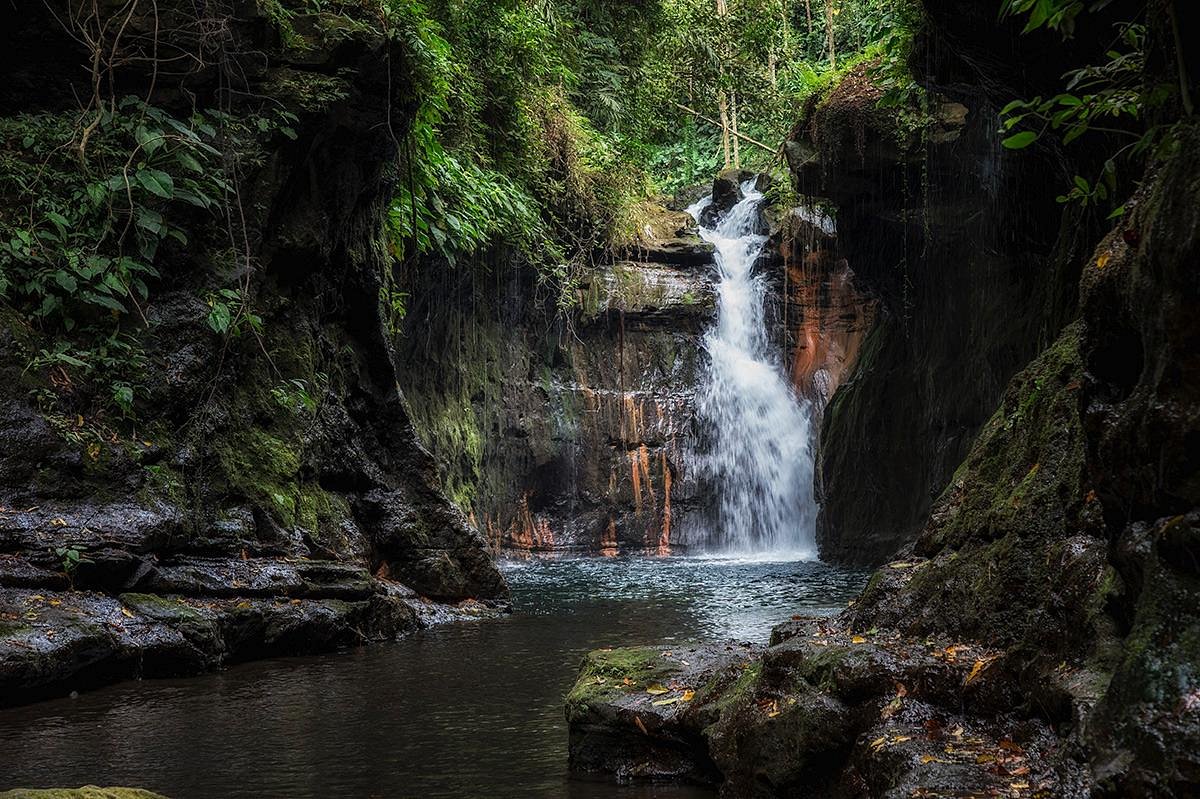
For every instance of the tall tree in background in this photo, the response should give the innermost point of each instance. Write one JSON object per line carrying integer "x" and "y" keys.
{"x": 829, "y": 33}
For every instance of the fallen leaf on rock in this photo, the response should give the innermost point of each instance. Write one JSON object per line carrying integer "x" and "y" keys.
{"x": 638, "y": 721}
{"x": 1102, "y": 260}
{"x": 858, "y": 639}
{"x": 931, "y": 759}
{"x": 879, "y": 743}
{"x": 127, "y": 612}
{"x": 656, "y": 688}
{"x": 661, "y": 702}
{"x": 901, "y": 565}
{"x": 977, "y": 669}
{"x": 688, "y": 695}
{"x": 628, "y": 681}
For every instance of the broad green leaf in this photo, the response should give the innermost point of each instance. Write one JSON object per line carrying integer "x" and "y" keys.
{"x": 157, "y": 182}
{"x": 1020, "y": 141}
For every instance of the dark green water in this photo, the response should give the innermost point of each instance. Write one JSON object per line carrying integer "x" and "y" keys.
{"x": 467, "y": 710}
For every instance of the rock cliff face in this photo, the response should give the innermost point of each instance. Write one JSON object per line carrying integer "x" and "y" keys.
{"x": 970, "y": 258}
{"x": 234, "y": 524}
{"x": 569, "y": 435}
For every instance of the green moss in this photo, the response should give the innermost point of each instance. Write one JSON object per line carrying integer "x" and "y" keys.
{"x": 320, "y": 512}
{"x": 86, "y": 792}
{"x": 741, "y": 689}
{"x": 602, "y": 675}
{"x": 818, "y": 669}
{"x": 1025, "y": 470}
{"x": 12, "y": 628}
{"x": 161, "y": 607}
{"x": 262, "y": 467}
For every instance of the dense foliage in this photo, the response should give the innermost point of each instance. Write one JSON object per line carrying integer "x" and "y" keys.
{"x": 546, "y": 122}
{"x": 541, "y": 131}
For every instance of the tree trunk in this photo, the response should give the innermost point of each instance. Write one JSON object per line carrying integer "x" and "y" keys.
{"x": 723, "y": 105}
{"x": 829, "y": 33}
{"x": 722, "y": 97}
{"x": 737, "y": 150}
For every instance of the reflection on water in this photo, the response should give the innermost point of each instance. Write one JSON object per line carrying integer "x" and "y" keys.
{"x": 466, "y": 710}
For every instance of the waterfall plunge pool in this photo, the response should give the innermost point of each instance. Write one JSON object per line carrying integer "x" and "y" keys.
{"x": 465, "y": 710}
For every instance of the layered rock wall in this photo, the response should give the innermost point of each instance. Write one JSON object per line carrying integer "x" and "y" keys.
{"x": 228, "y": 519}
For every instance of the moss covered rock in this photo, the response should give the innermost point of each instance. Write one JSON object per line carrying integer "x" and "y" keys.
{"x": 86, "y": 792}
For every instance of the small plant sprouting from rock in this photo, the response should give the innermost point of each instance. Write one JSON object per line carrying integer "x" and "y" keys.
{"x": 70, "y": 558}
{"x": 298, "y": 396}
{"x": 230, "y": 313}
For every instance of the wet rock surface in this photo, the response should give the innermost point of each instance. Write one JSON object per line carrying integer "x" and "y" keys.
{"x": 821, "y": 711}
{"x": 86, "y": 792}
{"x": 575, "y": 432}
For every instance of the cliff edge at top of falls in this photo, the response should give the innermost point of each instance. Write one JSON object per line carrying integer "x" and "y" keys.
{"x": 276, "y": 499}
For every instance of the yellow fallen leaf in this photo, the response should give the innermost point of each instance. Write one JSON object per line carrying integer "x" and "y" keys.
{"x": 878, "y": 743}
{"x": 978, "y": 668}
{"x": 656, "y": 688}
{"x": 127, "y": 612}
{"x": 899, "y": 739}
{"x": 660, "y": 702}
{"x": 1102, "y": 261}
{"x": 628, "y": 681}
{"x": 772, "y": 714}
{"x": 901, "y": 565}
{"x": 1017, "y": 786}
{"x": 55, "y": 603}
{"x": 688, "y": 695}
{"x": 930, "y": 759}
{"x": 858, "y": 639}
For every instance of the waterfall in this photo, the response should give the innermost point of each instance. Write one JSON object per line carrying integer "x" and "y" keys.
{"x": 756, "y": 442}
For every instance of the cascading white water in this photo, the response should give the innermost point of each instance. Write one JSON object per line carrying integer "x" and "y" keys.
{"x": 757, "y": 445}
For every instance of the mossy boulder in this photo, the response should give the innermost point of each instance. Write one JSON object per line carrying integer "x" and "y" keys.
{"x": 86, "y": 792}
